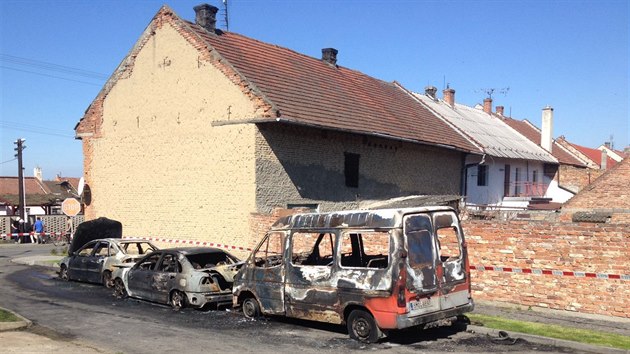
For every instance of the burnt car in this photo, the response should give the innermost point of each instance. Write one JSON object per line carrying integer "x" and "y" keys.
{"x": 180, "y": 277}
{"x": 95, "y": 261}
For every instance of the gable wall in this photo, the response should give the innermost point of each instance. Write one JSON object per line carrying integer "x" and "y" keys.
{"x": 306, "y": 165}
{"x": 157, "y": 165}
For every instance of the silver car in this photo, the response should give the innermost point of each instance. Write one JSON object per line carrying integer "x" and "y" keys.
{"x": 95, "y": 261}
{"x": 179, "y": 277}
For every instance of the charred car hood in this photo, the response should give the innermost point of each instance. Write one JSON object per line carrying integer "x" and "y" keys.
{"x": 94, "y": 229}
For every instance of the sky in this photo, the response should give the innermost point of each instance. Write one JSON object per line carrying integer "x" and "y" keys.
{"x": 573, "y": 55}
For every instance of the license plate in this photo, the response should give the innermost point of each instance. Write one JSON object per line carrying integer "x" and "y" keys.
{"x": 419, "y": 304}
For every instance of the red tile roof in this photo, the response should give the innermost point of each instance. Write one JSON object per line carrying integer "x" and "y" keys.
{"x": 595, "y": 155}
{"x": 308, "y": 91}
{"x": 9, "y": 185}
{"x": 532, "y": 133}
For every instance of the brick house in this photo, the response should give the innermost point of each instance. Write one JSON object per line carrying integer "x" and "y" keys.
{"x": 201, "y": 134}
{"x": 42, "y": 197}
{"x": 609, "y": 196}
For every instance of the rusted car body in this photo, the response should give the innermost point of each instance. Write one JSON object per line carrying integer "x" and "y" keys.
{"x": 96, "y": 260}
{"x": 180, "y": 276}
{"x": 375, "y": 270}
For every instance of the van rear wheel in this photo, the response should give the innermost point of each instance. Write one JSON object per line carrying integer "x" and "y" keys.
{"x": 251, "y": 309}
{"x": 362, "y": 327}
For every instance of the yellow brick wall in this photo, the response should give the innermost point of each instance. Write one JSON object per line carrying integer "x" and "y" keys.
{"x": 158, "y": 166}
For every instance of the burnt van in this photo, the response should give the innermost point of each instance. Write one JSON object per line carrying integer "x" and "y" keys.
{"x": 374, "y": 270}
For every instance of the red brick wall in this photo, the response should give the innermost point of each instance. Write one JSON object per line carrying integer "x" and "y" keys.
{"x": 576, "y": 178}
{"x": 609, "y": 191}
{"x": 541, "y": 245}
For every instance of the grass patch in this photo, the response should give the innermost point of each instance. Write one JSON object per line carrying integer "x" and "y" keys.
{"x": 6, "y": 316}
{"x": 552, "y": 331}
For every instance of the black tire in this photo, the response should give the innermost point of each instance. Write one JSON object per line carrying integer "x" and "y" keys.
{"x": 108, "y": 282}
{"x": 362, "y": 327}
{"x": 63, "y": 272}
{"x": 119, "y": 289}
{"x": 177, "y": 300}
{"x": 251, "y": 309}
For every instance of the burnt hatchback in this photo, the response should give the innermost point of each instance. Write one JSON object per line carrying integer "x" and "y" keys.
{"x": 180, "y": 277}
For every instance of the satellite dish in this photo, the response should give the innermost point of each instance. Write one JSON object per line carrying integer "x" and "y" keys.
{"x": 81, "y": 186}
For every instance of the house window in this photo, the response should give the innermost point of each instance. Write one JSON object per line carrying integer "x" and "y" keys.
{"x": 351, "y": 169}
{"x": 534, "y": 177}
{"x": 482, "y": 175}
{"x": 311, "y": 207}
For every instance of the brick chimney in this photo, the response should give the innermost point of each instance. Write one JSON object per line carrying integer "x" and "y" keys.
{"x": 547, "y": 128}
{"x": 449, "y": 96}
{"x": 329, "y": 56}
{"x": 430, "y": 91}
{"x": 487, "y": 105}
{"x": 206, "y": 16}
{"x": 500, "y": 110}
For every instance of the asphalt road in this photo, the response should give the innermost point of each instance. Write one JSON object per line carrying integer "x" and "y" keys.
{"x": 89, "y": 313}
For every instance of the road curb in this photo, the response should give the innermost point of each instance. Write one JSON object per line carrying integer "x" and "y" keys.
{"x": 548, "y": 341}
{"x": 42, "y": 261}
{"x": 11, "y": 326}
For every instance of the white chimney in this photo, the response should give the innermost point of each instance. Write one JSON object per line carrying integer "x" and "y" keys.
{"x": 546, "y": 136}
{"x": 37, "y": 172}
{"x": 604, "y": 163}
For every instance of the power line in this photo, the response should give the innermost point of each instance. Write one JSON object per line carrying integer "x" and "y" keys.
{"x": 41, "y": 130}
{"x": 51, "y": 67}
{"x": 7, "y": 161}
{"x": 53, "y": 76}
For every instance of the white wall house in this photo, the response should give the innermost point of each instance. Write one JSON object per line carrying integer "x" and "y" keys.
{"x": 512, "y": 171}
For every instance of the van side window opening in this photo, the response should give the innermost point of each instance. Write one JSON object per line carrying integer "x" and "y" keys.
{"x": 312, "y": 248}
{"x": 368, "y": 249}
{"x": 419, "y": 230}
{"x": 269, "y": 253}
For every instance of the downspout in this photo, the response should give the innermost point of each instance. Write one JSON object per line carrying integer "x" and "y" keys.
{"x": 464, "y": 188}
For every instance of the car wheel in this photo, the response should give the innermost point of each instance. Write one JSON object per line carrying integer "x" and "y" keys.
{"x": 107, "y": 279}
{"x": 63, "y": 272}
{"x": 362, "y": 327}
{"x": 178, "y": 300}
{"x": 119, "y": 289}
{"x": 251, "y": 309}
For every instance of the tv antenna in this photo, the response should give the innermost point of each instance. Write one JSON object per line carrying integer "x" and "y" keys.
{"x": 226, "y": 23}
{"x": 489, "y": 91}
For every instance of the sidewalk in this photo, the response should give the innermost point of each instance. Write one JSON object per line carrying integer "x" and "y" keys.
{"x": 15, "y": 340}
{"x": 600, "y": 323}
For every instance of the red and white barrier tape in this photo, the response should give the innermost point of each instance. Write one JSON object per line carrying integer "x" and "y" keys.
{"x": 196, "y": 243}
{"x": 562, "y": 273}
{"x": 5, "y": 236}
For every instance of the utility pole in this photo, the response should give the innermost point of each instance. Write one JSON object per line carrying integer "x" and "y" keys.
{"x": 22, "y": 201}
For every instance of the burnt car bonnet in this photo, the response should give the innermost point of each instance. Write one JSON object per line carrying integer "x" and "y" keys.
{"x": 95, "y": 229}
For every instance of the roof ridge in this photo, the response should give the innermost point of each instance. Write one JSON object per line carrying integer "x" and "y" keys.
{"x": 340, "y": 67}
